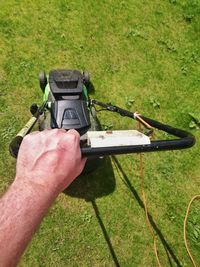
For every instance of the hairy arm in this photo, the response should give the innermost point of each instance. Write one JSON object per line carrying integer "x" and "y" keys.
{"x": 47, "y": 163}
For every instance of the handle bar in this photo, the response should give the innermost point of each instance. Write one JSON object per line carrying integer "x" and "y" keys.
{"x": 185, "y": 140}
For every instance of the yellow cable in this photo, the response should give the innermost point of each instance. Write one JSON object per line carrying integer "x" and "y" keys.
{"x": 141, "y": 121}
{"x": 184, "y": 229}
{"x": 146, "y": 211}
{"x": 146, "y": 208}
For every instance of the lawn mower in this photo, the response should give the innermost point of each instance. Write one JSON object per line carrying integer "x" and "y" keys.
{"x": 67, "y": 105}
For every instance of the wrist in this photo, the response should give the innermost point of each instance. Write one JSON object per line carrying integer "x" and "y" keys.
{"x": 32, "y": 187}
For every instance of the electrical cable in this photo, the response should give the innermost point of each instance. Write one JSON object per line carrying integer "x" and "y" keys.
{"x": 196, "y": 197}
{"x": 146, "y": 212}
{"x": 137, "y": 115}
{"x": 141, "y": 121}
{"x": 146, "y": 208}
{"x": 184, "y": 230}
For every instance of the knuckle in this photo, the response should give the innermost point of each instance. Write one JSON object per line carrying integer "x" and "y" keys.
{"x": 58, "y": 132}
{"x": 74, "y": 132}
{"x": 25, "y": 142}
{"x": 27, "y": 138}
{"x": 32, "y": 136}
{"x": 45, "y": 133}
{"x": 72, "y": 137}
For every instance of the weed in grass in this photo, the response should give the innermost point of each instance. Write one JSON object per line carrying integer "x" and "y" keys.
{"x": 154, "y": 102}
{"x": 193, "y": 125}
{"x": 171, "y": 215}
{"x": 136, "y": 31}
{"x": 129, "y": 101}
{"x": 25, "y": 64}
{"x": 64, "y": 6}
{"x": 168, "y": 44}
{"x": 188, "y": 17}
{"x": 184, "y": 69}
{"x": 173, "y": 1}
{"x": 107, "y": 126}
{"x": 188, "y": 60}
{"x": 191, "y": 10}
{"x": 86, "y": 217}
{"x": 195, "y": 121}
{"x": 112, "y": 68}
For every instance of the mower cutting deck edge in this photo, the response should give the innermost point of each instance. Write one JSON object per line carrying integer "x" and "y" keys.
{"x": 66, "y": 105}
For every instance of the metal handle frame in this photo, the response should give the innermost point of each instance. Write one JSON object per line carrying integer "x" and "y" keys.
{"x": 185, "y": 140}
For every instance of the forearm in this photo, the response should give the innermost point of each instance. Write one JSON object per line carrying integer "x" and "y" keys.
{"x": 48, "y": 161}
{"x": 22, "y": 209}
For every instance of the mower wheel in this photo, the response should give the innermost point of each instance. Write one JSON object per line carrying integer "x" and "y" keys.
{"x": 33, "y": 108}
{"x": 86, "y": 77}
{"x": 42, "y": 80}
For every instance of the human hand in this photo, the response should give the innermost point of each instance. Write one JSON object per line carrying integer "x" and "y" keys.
{"x": 51, "y": 158}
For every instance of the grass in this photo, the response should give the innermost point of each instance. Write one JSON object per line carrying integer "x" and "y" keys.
{"x": 142, "y": 56}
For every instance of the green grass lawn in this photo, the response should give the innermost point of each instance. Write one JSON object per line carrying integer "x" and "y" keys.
{"x": 146, "y": 51}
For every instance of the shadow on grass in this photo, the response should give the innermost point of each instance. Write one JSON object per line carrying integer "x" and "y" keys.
{"x": 102, "y": 183}
{"x": 112, "y": 252}
{"x": 94, "y": 185}
{"x": 166, "y": 246}
{"x": 90, "y": 87}
{"x": 98, "y": 182}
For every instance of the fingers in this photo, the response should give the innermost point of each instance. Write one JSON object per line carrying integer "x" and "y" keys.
{"x": 55, "y": 131}
{"x": 32, "y": 133}
{"x": 71, "y": 136}
{"x": 74, "y": 132}
{"x": 53, "y": 138}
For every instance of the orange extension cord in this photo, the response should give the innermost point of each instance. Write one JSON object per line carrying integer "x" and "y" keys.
{"x": 184, "y": 229}
{"x": 196, "y": 197}
{"x": 144, "y": 196}
{"x": 146, "y": 211}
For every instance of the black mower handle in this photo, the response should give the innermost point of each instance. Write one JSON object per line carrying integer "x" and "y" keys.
{"x": 185, "y": 140}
